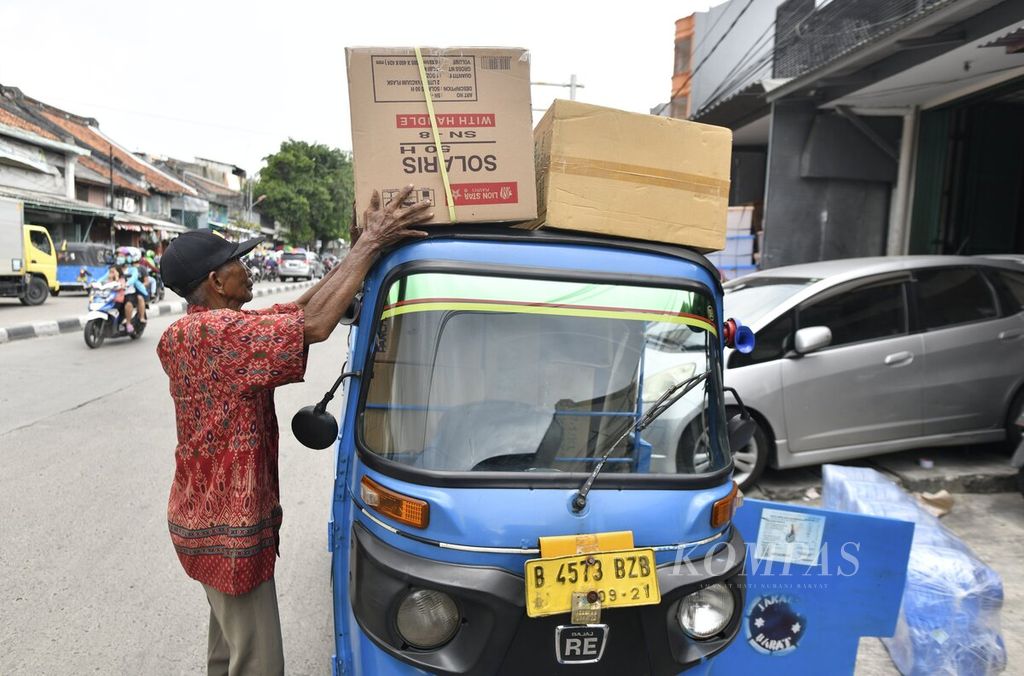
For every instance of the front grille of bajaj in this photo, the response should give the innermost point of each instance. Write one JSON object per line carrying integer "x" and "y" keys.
{"x": 496, "y": 636}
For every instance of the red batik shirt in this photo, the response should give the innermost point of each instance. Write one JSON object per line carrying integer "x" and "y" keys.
{"x": 224, "y": 511}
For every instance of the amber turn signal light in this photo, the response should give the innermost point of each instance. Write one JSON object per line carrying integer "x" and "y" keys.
{"x": 394, "y": 505}
{"x": 722, "y": 510}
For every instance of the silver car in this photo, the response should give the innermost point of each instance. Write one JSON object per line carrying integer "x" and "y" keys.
{"x": 300, "y": 265}
{"x": 864, "y": 356}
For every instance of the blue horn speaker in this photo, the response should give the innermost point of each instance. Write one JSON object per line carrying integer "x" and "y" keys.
{"x": 738, "y": 336}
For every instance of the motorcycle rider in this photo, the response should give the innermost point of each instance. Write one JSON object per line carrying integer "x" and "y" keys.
{"x": 148, "y": 264}
{"x": 135, "y": 295}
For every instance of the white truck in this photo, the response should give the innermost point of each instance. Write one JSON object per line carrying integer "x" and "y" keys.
{"x": 28, "y": 259}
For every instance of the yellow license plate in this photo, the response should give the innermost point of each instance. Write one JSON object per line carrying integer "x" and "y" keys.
{"x": 618, "y": 579}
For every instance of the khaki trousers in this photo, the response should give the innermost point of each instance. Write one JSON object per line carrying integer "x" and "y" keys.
{"x": 245, "y": 633}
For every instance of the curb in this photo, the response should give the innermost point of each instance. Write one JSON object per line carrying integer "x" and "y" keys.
{"x": 977, "y": 471}
{"x": 53, "y": 327}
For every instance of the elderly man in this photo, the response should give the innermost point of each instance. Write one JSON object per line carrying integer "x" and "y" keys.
{"x": 223, "y": 363}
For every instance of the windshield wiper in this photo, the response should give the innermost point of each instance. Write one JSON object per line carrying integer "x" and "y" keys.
{"x": 663, "y": 403}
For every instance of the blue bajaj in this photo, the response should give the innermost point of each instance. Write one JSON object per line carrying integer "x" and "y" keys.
{"x": 500, "y": 506}
{"x": 81, "y": 263}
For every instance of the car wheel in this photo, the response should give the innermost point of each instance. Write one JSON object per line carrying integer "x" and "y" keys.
{"x": 1014, "y": 433}
{"x": 35, "y": 293}
{"x": 94, "y": 333}
{"x": 749, "y": 462}
{"x": 693, "y": 456}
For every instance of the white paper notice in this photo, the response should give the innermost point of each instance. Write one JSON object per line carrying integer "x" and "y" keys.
{"x": 789, "y": 537}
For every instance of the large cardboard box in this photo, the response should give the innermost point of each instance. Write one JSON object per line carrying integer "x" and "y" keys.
{"x": 612, "y": 172}
{"x": 481, "y": 99}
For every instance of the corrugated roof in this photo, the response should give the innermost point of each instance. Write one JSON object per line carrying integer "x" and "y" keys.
{"x": 49, "y": 202}
{"x": 1013, "y": 41}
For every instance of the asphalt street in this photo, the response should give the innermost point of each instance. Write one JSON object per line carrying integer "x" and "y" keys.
{"x": 90, "y": 580}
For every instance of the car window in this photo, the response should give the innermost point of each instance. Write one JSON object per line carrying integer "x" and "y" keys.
{"x": 865, "y": 313}
{"x": 1011, "y": 291}
{"x": 40, "y": 241}
{"x": 771, "y": 342}
{"x": 750, "y": 299}
{"x": 951, "y": 296}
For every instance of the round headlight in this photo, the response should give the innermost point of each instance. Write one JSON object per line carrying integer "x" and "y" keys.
{"x": 706, "y": 612}
{"x": 427, "y": 618}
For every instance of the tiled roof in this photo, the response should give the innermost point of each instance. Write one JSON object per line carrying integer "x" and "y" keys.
{"x": 104, "y": 172}
{"x": 12, "y": 120}
{"x": 206, "y": 185}
{"x": 101, "y": 146}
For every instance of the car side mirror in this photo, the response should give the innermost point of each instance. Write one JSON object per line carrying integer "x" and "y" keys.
{"x": 740, "y": 428}
{"x": 741, "y": 431}
{"x": 812, "y": 339}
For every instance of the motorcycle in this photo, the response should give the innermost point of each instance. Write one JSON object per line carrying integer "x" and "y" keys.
{"x": 270, "y": 271}
{"x": 255, "y": 272}
{"x": 104, "y": 318}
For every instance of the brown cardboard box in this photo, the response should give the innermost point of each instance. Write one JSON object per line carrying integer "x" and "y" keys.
{"x": 481, "y": 100}
{"x": 616, "y": 173}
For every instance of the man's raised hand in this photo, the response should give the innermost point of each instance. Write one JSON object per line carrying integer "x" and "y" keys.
{"x": 384, "y": 226}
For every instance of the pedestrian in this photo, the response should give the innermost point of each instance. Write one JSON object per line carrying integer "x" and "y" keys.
{"x": 223, "y": 363}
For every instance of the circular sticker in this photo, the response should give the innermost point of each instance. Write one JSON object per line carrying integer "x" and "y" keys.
{"x": 773, "y": 625}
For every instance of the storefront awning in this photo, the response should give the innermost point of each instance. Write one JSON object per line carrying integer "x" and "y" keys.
{"x": 55, "y": 203}
{"x": 138, "y": 223}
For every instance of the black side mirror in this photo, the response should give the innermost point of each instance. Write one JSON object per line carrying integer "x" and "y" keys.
{"x": 740, "y": 427}
{"x": 313, "y": 426}
{"x": 351, "y": 315}
{"x": 741, "y": 431}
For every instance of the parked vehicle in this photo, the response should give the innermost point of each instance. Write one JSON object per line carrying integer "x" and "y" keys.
{"x": 499, "y": 508}
{"x": 298, "y": 265}
{"x": 28, "y": 259}
{"x": 865, "y": 356}
{"x": 316, "y": 266}
{"x": 104, "y": 318}
{"x": 81, "y": 263}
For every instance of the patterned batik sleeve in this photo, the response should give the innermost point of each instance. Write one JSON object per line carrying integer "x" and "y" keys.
{"x": 277, "y": 309}
{"x": 248, "y": 351}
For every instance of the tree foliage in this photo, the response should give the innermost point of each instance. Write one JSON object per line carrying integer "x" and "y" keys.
{"x": 308, "y": 189}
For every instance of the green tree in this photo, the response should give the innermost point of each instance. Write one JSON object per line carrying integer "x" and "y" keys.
{"x": 308, "y": 189}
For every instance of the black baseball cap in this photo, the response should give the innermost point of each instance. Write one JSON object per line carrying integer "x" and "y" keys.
{"x": 195, "y": 254}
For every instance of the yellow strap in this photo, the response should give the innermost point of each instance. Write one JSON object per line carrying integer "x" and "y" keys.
{"x": 437, "y": 137}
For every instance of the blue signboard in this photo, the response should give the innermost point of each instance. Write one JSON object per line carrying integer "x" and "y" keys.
{"x": 817, "y": 581}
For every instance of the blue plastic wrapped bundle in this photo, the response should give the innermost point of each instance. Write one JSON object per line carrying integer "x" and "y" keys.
{"x": 949, "y": 618}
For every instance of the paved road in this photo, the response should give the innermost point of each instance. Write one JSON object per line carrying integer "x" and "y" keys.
{"x": 67, "y": 304}
{"x": 90, "y": 581}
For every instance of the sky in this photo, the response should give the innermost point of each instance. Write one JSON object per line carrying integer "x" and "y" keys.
{"x": 230, "y": 80}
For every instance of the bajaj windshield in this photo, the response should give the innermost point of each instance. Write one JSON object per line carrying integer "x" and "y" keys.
{"x": 475, "y": 373}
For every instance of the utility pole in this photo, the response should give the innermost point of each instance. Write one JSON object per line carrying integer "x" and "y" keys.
{"x": 573, "y": 84}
